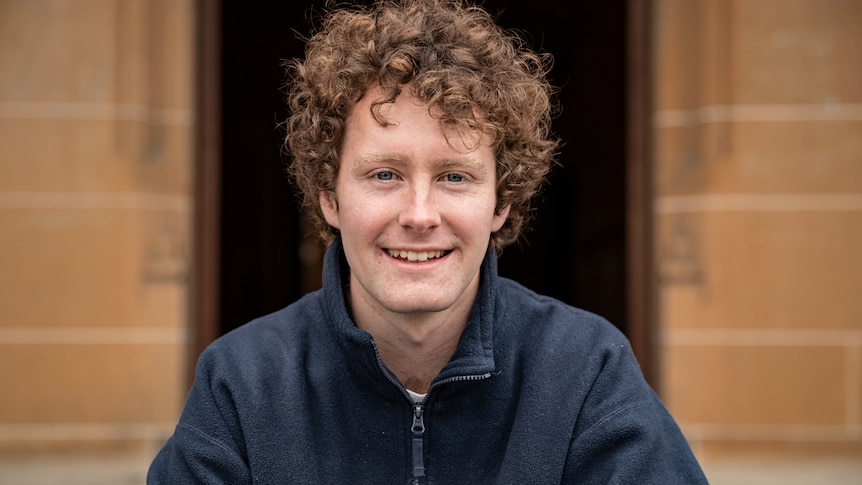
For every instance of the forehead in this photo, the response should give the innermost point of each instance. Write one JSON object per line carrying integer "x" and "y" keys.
{"x": 389, "y": 121}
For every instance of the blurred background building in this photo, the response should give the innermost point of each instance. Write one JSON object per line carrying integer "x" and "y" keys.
{"x": 757, "y": 133}
{"x": 709, "y": 203}
{"x": 96, "y": 178}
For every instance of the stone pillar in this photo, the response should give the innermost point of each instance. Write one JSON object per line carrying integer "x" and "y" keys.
{"x": 95, "y": 209}
{"x": 758, "y": 209}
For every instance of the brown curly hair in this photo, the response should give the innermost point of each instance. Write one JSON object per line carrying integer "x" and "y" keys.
{"x": 452, "y": 56}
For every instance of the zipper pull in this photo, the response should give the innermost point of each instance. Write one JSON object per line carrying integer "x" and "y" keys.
{"x": 418, "y": 422}
{"x": 418, "y": 430}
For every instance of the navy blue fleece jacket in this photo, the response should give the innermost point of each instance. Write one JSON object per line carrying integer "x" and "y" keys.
{"x": 537, "y": 392}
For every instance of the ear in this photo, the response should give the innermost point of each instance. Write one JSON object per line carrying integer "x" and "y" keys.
{"x": 329, "y": 207}
{"x": 500, "y": 218}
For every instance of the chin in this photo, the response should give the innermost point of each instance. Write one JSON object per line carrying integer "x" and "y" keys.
{"x": 417, "y": 307}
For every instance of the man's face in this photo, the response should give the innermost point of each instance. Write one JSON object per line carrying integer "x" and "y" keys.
{"x": 415, "y": 210}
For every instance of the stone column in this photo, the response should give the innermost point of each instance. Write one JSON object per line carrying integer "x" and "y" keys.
{"x": 758, "y": 209}
{"x": 95, "y": 207}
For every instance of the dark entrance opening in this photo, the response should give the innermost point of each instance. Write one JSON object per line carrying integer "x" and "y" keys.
{"x": 576, "y": 250}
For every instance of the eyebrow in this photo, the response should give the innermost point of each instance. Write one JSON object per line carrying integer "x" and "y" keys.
{"x": 399, "y": 159}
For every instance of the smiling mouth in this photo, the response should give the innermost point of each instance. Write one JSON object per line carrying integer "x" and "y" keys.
{"x": 416, "y": 256}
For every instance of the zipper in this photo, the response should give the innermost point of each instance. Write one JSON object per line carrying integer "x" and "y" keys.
{"x": 418, "y": 430}
{"x": 417, "y": 427}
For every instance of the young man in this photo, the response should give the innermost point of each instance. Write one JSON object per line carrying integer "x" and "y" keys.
{"x": 418, "y": 136}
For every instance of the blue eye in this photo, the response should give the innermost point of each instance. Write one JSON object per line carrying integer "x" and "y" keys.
{"x": 454, "y": 177}
{"x": 384, "y": 175}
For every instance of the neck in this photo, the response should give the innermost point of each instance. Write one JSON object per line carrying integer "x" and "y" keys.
{"x": 416, "y": 347}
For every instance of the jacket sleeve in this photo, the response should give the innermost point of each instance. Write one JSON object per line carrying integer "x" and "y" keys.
{"x": 206, "y": 447}
{"x": 626, "y": 435}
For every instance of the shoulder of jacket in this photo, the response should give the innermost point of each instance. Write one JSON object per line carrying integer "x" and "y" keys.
{"x": 272, "y": 330}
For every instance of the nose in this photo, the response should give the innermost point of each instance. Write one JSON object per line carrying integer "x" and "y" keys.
{"x": 420, "y": 211}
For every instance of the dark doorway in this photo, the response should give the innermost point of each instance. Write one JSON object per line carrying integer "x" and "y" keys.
{"x": 576, "y": 249}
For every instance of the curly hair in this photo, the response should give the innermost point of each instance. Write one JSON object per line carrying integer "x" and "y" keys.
{"x": 451, "y": 55}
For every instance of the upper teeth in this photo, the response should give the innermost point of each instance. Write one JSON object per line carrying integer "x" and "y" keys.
{"x": 415, "y": 255}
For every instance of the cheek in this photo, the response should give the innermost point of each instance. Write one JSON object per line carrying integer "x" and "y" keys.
{"x": 357, "y": 217}
{"x": 477, "y": 218}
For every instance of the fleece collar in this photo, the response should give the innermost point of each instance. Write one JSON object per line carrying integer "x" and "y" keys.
{"x": 475, "y": 353}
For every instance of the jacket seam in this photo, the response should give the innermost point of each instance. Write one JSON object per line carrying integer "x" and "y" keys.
{"x": 210, "y": 439}
{"x": 609, "y": 417}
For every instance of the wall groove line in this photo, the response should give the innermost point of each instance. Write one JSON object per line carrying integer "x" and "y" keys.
{"x": 84, "y": 111}
{"x": 758, "y": 113}
{"x": 11, "y": 432}
{"x": 92, "y": 336}
{"x": 815, "y": 202}
{"x": 762, "y": 337}
{"x": 776, "y": 432}
{"x": 94, "y": 201}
